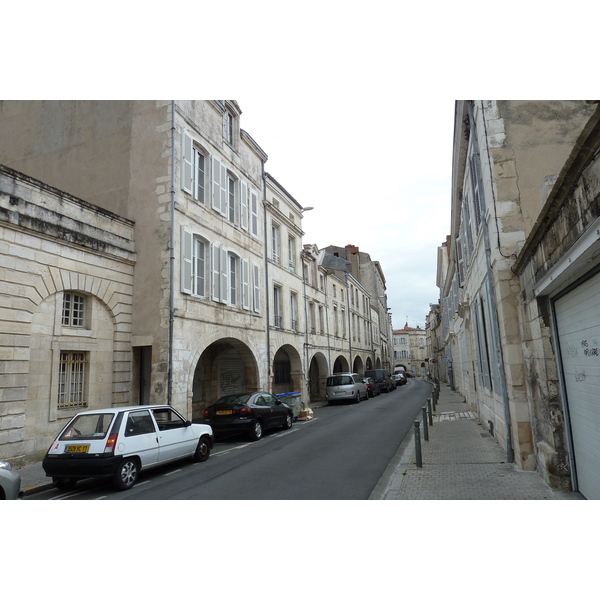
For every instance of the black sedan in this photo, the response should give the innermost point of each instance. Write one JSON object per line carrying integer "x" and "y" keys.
{"x": 372, "y": 387}
{"x": 248, "y": 413}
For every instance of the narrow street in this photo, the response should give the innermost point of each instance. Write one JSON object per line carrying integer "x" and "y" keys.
{"x": 339, "y": 455}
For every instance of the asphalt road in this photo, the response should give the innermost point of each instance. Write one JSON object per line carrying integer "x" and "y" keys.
{"x": 339, "y": 455}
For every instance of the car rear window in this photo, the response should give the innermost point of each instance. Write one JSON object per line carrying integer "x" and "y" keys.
{"x": 340, "y": 380}
{"x": 85, "y": 427}
{"x": 234, "y": 399}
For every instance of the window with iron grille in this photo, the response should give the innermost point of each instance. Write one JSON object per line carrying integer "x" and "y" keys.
{"x": 282, "y": 371}
{"x": 73, "y": 310}
{"x": 71, "y": 379}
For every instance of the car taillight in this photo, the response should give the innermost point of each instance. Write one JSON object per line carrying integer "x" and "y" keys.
{"x": 111, "y": 442}
{"x": 245, "y": 411}
{"x": 206, "y": 413}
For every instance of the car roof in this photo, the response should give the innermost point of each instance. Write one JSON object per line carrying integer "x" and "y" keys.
{"x": 121, "y": 409}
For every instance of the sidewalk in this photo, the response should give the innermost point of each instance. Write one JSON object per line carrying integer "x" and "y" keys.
{"x": 461, "y": 461}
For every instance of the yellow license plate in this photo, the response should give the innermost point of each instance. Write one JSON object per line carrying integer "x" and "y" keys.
{"x": 80, "y": 448}
{"x": 224, "y": 412}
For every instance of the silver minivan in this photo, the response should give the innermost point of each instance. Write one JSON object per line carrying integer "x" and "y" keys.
{"x": 346, "y": 386}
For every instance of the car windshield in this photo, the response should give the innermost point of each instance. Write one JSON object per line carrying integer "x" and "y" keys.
{"x": 234, "y": 399}
{"x": 340, "y": 380}
{"x": 84, "y": 427}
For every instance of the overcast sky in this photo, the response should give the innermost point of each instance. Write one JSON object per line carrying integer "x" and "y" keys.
{"x": 377, "y": 174}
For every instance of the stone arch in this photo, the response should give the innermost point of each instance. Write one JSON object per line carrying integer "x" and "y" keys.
{"x": 340, "y": 365}
{"x": 225, "y": 366}
{"x": 287, "y": 370}
{"x": 358, "y": 365}
{"x": 317, "y": 377}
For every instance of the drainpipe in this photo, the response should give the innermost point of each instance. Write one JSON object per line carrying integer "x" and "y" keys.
{"x": 264, "y": 178}
{"x": 171, "y": 262}
{"x": 492, "y": 292}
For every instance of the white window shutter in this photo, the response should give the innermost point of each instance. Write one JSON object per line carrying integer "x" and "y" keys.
{"x": 186, "y": 261}
{"x": 245, "y": 283}
{"x": 224, "y": 276}
{"x": 216, "y": 183}
{"x": 224, "y": 191}
{"x": 254, "y": 212}
{"x": 215, "y": 255}
{"x": 186, "y": 164}
{"x": 244, "y": 204}
{"x": 256, "y": 287}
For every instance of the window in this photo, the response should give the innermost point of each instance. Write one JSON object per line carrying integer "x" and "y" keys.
{"x": 231, "y": 187}
{"x": 199, "y": 268}
{"x": 282, "y": 371}
{"x": 234, "y": 278}
{"x": 228, "y": 127}
{"x": 321, "y": 320}
{"x": 294, "y": 310}
{"x": 277, "y": 305}
{"x": 292, "y": 254}
{"x": 71, "y": 379}
{"x": 199, "y": 181}
{"x": 193, "y": 168}
{"x": 275, "y": 249}
{"x": 139, "y": 423}
{"x": 343, "y": 315}
{"x": 73, "y": 310}
{"x": 311, "y": 314}
{"x": 336, "y": 330}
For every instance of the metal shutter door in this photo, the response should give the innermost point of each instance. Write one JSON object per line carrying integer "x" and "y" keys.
{"x": 578, "y": 325}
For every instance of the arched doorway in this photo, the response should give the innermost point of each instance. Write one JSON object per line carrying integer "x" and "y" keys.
{"x": 227, "y": 366}
{"x": 358, "y": 366}
{"x": 287, "y": 371}
{"x": 341, "y": 365}
{"x": 317, "y": 378}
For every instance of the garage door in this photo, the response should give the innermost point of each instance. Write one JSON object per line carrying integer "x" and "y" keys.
{"x": 578, "y": 324}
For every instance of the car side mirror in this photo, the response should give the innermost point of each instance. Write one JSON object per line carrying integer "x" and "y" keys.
{"x": 188, "y": 423}
{"x": 278, "y": 402}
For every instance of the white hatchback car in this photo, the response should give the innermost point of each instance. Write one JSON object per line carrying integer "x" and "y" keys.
{"x": 118, "y": 443}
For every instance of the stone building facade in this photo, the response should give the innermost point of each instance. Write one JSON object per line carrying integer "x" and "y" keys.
{"x": 66, "y": 311}
{"x": 410, "y": 350}
{"x": 523, "y": 260}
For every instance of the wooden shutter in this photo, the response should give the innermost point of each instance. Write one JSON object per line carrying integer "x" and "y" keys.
{"x": 215, "y": 256}
{"x": 187, "y": 162}
{"x": 243, "y": 204}
{"x": 254, "y": 212}
{"x": 224, "y": 276}
{"x": 256, "y": 287}
{"x": 245, "y": 283}
{"x": 186, "y": 261}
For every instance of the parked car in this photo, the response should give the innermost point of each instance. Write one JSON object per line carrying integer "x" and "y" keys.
{"x": 372, "y": 387}
{"x": 382, "y": 378}
{"x": 10, "y": 482}
{"x": 119, "y": 443}
{"x": 345, "y": 386}
{"x": 251, "y": 413}
{"x": 399, "y": 378}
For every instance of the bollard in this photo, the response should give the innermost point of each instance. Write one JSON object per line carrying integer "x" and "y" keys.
{"x": 425, "y": 429}
{"x": 418, "y": 444}
{"x": 430, "y": 413}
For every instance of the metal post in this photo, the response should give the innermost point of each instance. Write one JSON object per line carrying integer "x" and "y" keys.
{"x": 430, "y": 413}
{"x": 425, "y": 429}
{"x": 418, "y": 444}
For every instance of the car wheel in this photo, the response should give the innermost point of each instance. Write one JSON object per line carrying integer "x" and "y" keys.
{"x": 357, "y": 398}
{"x": 127, "y": 474}
{"x": 257, "y": 431}
{"x": 64, "y": 483}
{"x": 288, "y": 421}
{"x": 202, "y": 450}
